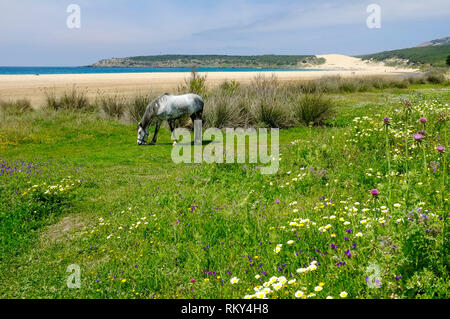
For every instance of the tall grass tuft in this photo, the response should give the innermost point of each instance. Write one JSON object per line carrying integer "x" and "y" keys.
{"x": 227, "y": 108}
{"x": 137, "y": 106}
{"x": 74, "y": 99}
{"x": 112, "y": 106}
{"x": 312, "y": 109}
{"x": 268, "y": 102}
{"x": 16, "y": 107}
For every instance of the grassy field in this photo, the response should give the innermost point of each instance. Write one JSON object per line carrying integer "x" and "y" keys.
{"x": 76, "y": 189}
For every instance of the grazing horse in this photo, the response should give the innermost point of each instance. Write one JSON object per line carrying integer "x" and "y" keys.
{"x": 169, "y": 107}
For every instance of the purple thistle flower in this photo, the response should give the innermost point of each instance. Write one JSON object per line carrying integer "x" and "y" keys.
{"x": 418, "y": 137}
{"x": 440, "y": 149}
{"x": 423, "y": 120}
{"x": 374, "y": 192}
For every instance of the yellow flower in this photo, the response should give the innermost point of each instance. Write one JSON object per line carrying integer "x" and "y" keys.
{"x": 124, "y": 280}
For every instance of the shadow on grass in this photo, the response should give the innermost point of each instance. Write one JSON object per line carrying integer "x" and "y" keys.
{"x": 180, "y": 143}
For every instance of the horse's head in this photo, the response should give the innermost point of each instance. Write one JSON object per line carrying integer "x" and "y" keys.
{"x": 142, "y": 134}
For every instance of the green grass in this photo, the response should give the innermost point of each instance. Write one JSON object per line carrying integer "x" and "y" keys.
{"x": 140, "y": 226}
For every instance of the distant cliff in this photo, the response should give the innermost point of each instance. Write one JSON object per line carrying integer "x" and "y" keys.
{"x": 214, "y": 61}
{"x": 442, "y": 41}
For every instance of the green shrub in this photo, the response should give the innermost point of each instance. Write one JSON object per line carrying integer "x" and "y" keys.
{"x": 196, "y": 84}
{"x": 312, "y": 108}
{"x": 435, "y": 76}
{"x": 229, "y": 87}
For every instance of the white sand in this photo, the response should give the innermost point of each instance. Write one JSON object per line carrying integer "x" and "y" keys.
{"x": 33, "y": 86}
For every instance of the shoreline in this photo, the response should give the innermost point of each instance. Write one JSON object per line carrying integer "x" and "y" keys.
{"x": 33, "y": 87}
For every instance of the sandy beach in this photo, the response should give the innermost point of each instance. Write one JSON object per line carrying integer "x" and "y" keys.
{"x": 33, "y": 86}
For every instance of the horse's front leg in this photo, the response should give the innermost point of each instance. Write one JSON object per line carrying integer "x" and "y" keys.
{"x": 158, "y": 124}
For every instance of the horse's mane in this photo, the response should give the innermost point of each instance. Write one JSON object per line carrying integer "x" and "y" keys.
{"x": 151, "y": 109}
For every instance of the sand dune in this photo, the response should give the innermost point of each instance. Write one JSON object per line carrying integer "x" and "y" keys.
{"x": 343, "y": 62}
{"x": 34, "y": 86}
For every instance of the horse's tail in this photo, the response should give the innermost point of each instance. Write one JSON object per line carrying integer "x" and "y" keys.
{"x": 200, "y": 103}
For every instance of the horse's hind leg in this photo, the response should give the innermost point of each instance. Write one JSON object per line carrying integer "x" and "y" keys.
{"x": 197, "y": 128}
{"x": 158, "y": 124}
{"x": 172, "y": 129}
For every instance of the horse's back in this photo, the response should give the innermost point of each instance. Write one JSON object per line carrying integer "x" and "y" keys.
{"x": 176, "y": 106}
{"x": 194, "y": 101}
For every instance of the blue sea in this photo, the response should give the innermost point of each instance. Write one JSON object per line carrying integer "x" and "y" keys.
{"x": 92, "y": 70}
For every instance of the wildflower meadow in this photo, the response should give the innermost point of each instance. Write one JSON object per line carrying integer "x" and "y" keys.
{"x": 357, "y": 210}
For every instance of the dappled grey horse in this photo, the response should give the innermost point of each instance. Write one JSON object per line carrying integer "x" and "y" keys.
{"x": 169, "y": 107}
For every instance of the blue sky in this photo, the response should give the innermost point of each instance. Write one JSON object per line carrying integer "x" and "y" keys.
{"x": 34, "y": 32}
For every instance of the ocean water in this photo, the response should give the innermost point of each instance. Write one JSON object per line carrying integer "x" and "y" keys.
{"x": 91, "y": 70}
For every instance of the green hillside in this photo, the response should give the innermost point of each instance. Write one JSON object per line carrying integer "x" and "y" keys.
{"x": 433, "y": 55}
{"x": 231, "y": 61}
